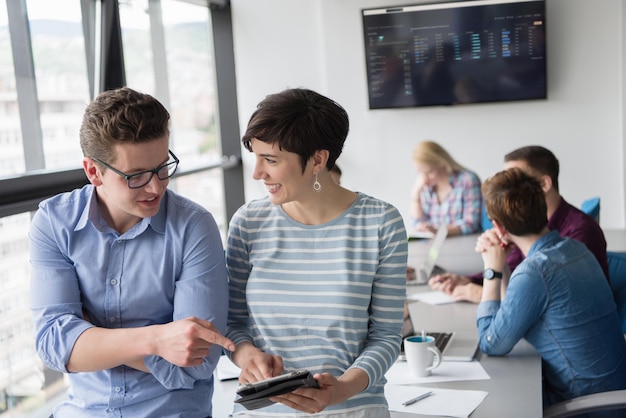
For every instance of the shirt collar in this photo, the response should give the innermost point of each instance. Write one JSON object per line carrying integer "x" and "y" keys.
{"x": 559, "y": 214}
{"x": 157, "y": 222}
{"x": 547, "y": 240}
{"x": 91, "y": 213}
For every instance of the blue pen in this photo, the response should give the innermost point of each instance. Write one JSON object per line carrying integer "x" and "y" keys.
{"x": 418, "y": 398}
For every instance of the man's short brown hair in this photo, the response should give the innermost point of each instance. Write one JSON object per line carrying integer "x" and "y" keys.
{"x": 516, "y": 201}
{"x": 121, "y": 116}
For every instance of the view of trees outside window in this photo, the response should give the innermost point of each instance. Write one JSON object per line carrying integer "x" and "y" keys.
{"x": 27, "y": 389}
{"x": 61, "y": 76}
{"x": 191, "y": 97}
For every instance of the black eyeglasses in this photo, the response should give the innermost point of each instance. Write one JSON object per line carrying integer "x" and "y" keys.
{"x": 137, "y": 180}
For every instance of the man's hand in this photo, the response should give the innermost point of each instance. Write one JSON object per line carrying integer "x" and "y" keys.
{"x": 470, "y": 292}
{"x": 186, "y": 342}
{"x": 494, "y": 249}
{"x": 447, "y": 282}
{"x": 491, "y": 238}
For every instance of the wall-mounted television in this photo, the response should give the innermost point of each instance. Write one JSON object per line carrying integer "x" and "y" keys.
{"x": 455, "y": 52}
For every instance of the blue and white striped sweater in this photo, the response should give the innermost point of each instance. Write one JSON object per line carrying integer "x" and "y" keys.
{"x": 323, "y": 297}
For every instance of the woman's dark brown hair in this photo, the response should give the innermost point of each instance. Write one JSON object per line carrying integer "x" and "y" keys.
{"x": 300, "y": 121}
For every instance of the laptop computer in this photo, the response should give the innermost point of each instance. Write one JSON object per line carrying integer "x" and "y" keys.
{"x": 454, "y": 345}
{"x": 429, "y": 267}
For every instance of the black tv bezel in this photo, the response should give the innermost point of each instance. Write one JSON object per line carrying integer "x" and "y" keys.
{"x": 455, "y": 4}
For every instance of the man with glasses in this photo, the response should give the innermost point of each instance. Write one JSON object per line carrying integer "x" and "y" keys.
{"x": 128, "y": 282}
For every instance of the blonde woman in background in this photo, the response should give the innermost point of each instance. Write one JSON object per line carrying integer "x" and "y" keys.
{"x": 444, "y": 192}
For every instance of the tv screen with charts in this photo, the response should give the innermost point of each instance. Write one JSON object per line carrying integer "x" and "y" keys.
{"x": 455, "y": 53}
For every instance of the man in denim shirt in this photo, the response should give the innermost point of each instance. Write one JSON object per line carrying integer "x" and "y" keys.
{"x": 557, "y": 298}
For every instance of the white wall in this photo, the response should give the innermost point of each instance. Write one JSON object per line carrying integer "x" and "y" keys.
{"x": 318, "y": 44}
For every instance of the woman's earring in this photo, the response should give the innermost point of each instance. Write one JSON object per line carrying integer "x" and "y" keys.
{"x": 317, "y": 185}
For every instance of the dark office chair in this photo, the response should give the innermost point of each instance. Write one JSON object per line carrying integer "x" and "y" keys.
{"x": 603, "y": 401}
{"x": 592, "y": 208}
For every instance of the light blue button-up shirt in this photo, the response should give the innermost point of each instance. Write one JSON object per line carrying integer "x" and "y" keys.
{"x": 167, "y": 267}
{"x": 559, "y": 300}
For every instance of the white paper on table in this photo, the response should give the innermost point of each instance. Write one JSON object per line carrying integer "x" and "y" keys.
{"x": 448, "y": 371}
{"x": 226, "y": 369}
{"x": 443, "y": 402}
{"x": 435, "y": 297}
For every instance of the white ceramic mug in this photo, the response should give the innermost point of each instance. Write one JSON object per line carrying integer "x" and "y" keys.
{"x": 422, "y": 356}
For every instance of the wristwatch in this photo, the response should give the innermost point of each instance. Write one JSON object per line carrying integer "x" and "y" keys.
{"x": 490, "y": 274}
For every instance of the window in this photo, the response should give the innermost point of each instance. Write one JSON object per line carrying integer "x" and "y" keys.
{"x": 193, "y": 101}
{"x": 179, "y": 55}
{"x": 58, "y": 47}
{"x": 138, "y": 61}
{"x": 168, "y": 53}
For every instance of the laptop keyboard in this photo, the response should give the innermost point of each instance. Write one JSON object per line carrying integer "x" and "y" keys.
{"x": 441, "y": 339}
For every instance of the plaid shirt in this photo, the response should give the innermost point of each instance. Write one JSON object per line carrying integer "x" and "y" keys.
{"x": 461, "y": 207}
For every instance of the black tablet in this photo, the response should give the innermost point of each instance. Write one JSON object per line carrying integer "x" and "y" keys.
{"x": 256, "y": 395}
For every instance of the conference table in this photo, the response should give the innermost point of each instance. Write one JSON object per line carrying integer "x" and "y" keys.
{"x": 515, "y": 384}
